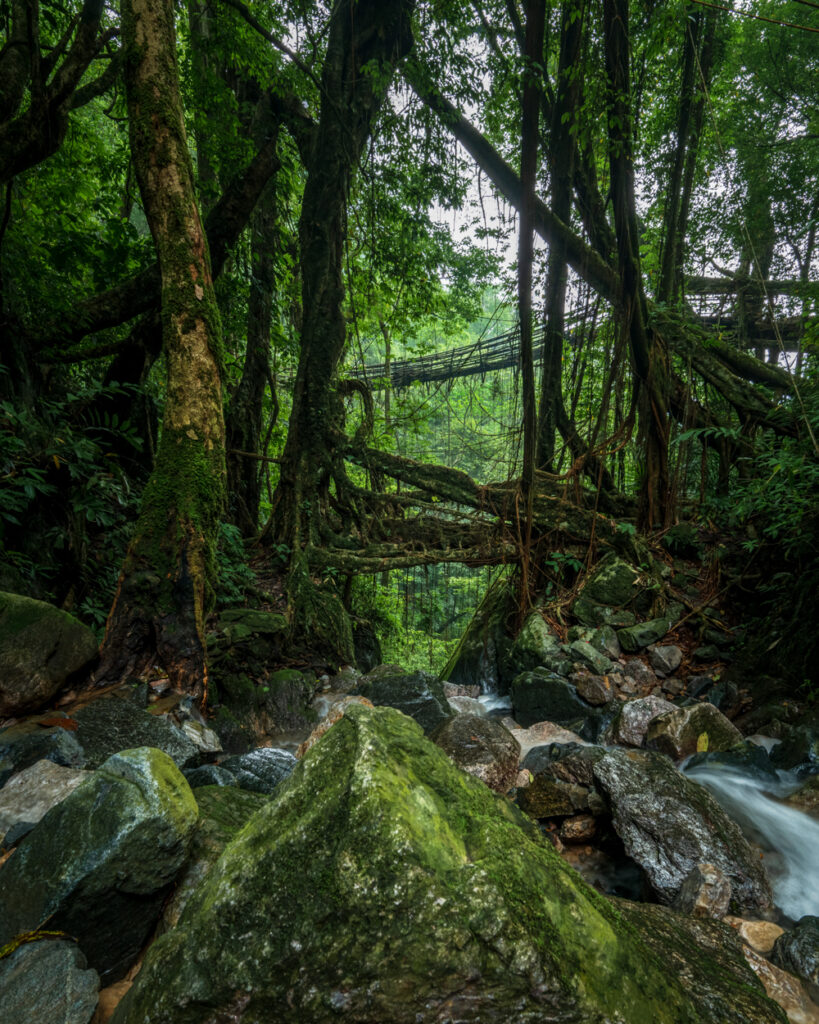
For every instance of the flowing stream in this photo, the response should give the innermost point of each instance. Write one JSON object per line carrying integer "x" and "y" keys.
{"x": 789, "y": 837}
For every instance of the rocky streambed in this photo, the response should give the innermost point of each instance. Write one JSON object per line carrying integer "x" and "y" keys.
{"x": 390, "y": 847}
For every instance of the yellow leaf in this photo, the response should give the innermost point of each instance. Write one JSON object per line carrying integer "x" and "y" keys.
{"x": 702, "y": 742}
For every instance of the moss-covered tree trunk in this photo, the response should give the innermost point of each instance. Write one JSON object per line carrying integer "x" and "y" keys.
{"x": 366, "y": 40}
{"x": 164, "y": 584}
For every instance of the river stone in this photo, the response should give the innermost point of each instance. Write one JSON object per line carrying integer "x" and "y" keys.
{"x": 685, "y": 731}
{"x": 383, "y": 884}
{"x": 595, "y": 690}
{"x": 806, "y": 798}
{"x": 797, "y": 951}
{"x": 669, "y": 824}
{"x": 705, "y": 892}
{"x": 47, "y": 982}
{"x": 482, "y": 747}
{"x": 100, "y": 863}
{"x": 418, "y": 694}
{"x": 746, "y": 758}
{"x": 546, "y": 797}
{"x": 261, "y": 770}
{"x": 543, "y": 696}
{"x": 110, "y": 724}
{"x": 26, "y": 743}
{"x": 665, "y": 658}
{"x": 567, "y": 762}
{"x": 644, "y": 634}
{"x": 798, "y": 752}
{"x": 588, "y": 655}
{"x": 580, "y": 828}
{"x": 783, "y": 988}
{"x": 540, "y": 733}
{"x": 467, "y": 706}
{"x": 34, "y": 791}
{"x": 210, "y": 775}
{"x": 41, "y": 648}
{"x": 630, "y": 726}
{"x": 759, "y": 935}
{"x": 642, "y": 675}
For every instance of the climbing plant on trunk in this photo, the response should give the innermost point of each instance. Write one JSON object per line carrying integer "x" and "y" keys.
{"x": 167, "y": 575}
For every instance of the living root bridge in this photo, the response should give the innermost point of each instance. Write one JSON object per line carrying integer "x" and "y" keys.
{"x": 489, "y": 533}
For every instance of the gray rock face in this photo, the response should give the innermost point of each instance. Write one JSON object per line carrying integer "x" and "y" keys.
{"x": 111, "y": 724}
{"x": 261, "y": 770}
{"x": 669, "y": 824}
{"x": 543, "y": 696}
{"x": 665, "y": 658}
{"x": 797, "y": 951}
{"x": 631, "y": 725}
{"x": 34, "y": 791}
{"x": 481, "y": 747}
{"x": 418, "y": 694}
{"x": 705, "y": 892}
{"x": 99, "y": 864}
{"x": 46, "y": 982}
{"x": 23, "y": 745}
{"x": 40, "y": 648}
{"x": 684, "y": 731}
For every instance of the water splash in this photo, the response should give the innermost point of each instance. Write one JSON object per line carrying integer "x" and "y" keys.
{"x": 789, "y": 837}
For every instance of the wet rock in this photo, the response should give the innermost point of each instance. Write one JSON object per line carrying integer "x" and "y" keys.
{"x": 261, "y": 770}
{"x": 630, "y": 726}
{"x": 798, "y": 752}
{"x": 783, "y": 988}
{"x": 539, "y": 734}
{"x": 454, "y": 690}
{"x": 579, "y": 829}
{"x": 565, "y": 762}
{"x": 482, "y": 747}
{"x": 669, "y": 824}
{"x": 543, "y": 696}
{"x": 686, "y": 731}
{"x": 747, "y": 758}
{"x": 26, "y": 743}
{"x": 467, "y": 706}
{"x": 705, "y": 892}
{"x": 797, "y": 950}
{"x": 635, "y": 638}
{"x": 665, "y": 658}
{"x": 640, "y": 673}
{"x": 41, "y": 649}
{"x": 99, "y": 864}
{"x": 33, "y": 792}
{"x": 595, "y": 690}
{"x": 385, "y": 883}
{"x": 725, "y": 695}
{"x": 589, "y": 656}
{"x": 47, "y": 982}
{"x": 210, "y": 775}
{"x": 418, "y": 694}
{"x": 806, "y": 798}
{"x": 759, "y": 935}
{"x": 697, "y": 685}
{"x": 204, "y": 739}
{"x": 110, "y": 724}
{"x": 546, "y": 797}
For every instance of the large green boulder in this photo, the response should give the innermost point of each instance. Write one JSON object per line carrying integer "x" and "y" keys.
{"x": 41, "y": 648}
{"x": 382, "y": 884}
{"x": 100, "y": 863}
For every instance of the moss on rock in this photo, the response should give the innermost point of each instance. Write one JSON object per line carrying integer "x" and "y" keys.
{"x": 382, "y": 884}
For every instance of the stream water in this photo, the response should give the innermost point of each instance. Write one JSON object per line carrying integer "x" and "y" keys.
{"x": 788, "y": 836}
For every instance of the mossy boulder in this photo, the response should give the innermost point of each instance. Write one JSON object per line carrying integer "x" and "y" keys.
{"x": 535, "y": 646}
{"x": 418, "y": 694}
{"x": 41, "y": 648}
{"x": 480, "y": 655}
{"x": 644, "y": 634}
{"x": 382, "y": 884}
{"x": 685, "y": 731}
{"x": 613, "y": 582}
{"x": 542, "y": 696}
{"x": 99, "y": 865}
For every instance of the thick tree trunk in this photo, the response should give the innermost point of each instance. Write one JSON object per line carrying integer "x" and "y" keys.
{"x": 168, "y": 572}
{"x": 366, "y": 40}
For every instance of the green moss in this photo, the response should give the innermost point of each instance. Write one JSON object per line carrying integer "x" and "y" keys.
{"x": 383, "y": 881}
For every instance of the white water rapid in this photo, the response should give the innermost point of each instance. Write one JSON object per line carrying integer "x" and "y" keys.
{"x": 789, "y": 837}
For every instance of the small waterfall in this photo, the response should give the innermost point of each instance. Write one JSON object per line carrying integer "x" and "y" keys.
{"x": 789, "y": 837}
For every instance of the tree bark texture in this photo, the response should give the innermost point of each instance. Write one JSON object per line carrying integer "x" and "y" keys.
{"x": 366, "y": 41}
{"x": 167, "y": 576}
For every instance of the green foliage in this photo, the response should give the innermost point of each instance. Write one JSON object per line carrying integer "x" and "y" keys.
{"x": 234, "y": 575}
